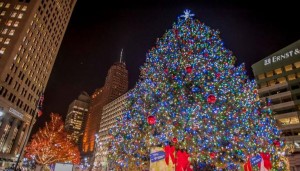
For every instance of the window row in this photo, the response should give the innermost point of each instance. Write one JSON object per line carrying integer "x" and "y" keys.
{"x": 10, "y": 32}
{"x": 279, "y": 70}
{"x": 280, "y": 80}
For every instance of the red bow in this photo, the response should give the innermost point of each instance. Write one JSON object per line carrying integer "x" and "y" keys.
{"x": 169, "y": 150}
{"x": 267, "y": 162}
{"x": 247, "y": 166}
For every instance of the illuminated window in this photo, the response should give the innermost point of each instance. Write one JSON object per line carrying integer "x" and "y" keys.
{"x": 4, "y": 31}
{"x": 7, "y": 5}
{"x": 13, "y": 15}
{"x": 289, "y": 121}
{"x": 271, "y": 83}
{"x": 2, "y": 50}
{"x": 17, "y": 7}
{"x": 288, "y": 67}
{"x": 270, "y": 74}
{"x": 297, "y": 64}
{"x": 292, "y": 76}
{"x": 281, "y": 80}
{"x": 24, "y": 8}
{"x": 20, "y": 15}
{"x": 7, "y": 41}
{"x": 9, "y": 22}
{"x": 1, "y": 4}
{"x": 261, "y": 76}
{"x": 16, "y": 24}
{"x": 12, "y": 32}
{"x": 2, "y": 13}
{"x": 278, "y": 71}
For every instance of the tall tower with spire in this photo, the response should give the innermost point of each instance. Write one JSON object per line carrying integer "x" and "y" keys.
{"x": 116, "y": 84}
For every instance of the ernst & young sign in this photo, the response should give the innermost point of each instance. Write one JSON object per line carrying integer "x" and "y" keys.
{"x": 282, "y": 56}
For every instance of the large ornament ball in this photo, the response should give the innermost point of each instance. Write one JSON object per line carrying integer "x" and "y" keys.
{"x": 151, "y": 120}
{"x": 211, "y": 99}
{"x": 188, "y": 69}
{"x": 174, "y": 140}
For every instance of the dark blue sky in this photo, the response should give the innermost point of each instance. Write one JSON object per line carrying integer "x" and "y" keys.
{"x": 97, "y": 33}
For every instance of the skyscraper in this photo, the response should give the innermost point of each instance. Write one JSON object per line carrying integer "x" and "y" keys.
{"x": 278, "y": 79}
{"x": 76, "y": 115}
{"x": 116, "y": 84}
{"x": 110, "y": 113}
{"x": 31, "y": 32}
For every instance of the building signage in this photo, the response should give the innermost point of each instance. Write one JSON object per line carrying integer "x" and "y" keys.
{"x": 16, "y": 113}
{"x": 156, "y": 156}
{"x": 282, "y": 56}
{"x": 255, "y": 160}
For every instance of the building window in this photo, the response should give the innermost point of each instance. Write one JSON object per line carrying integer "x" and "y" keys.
{"x": 17, "y": 7}
{"x": 271, "y": 83}
{"x": 13, "y": 15}
{"x": 261, "y": 76}
{"x": 4, "y": 31}
{"x": 7, "y": 5}
{"x": 288, "y": 67}
{"x": 289, "y": 121}
{"x": 12, "y": 32}
{"x": 281, "y": 80}
{"x": 1, "y": 4}
{"x": 24, "y": 8}
{"x": 297, "y": 64}
{"x": 270, "y": 74}
{"x": 9, "y": 22}
{"x": 7, "y": 41}
{"x": 292, "y": 77}
{"x": 3, "y": 13}
{"x": 16, "y": 24}
{"x": 278, "y": 71}
{"x": 2, "y": 50}
{"x": 20, "y": 15}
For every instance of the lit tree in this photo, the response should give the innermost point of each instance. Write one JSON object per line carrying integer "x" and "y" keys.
{"x": 50, "y": 144}
{"x": 191, "y": 94}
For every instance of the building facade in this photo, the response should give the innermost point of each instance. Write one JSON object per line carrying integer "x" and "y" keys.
{"x": 76, "y": 116}
{"x": 116, "y": 84}
{"x": 31, "y": 32}
{"x": 110, "y": 112}
{"x": 278, "y": 79}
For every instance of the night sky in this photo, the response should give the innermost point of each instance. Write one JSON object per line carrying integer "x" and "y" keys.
{"x": 97, "y": 33}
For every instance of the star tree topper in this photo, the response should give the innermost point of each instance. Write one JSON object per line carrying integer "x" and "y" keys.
{"x": 187, "y": 14}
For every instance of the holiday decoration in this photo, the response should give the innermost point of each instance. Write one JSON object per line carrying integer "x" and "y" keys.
{"x": 151, "y": 120}
{"x": 189, "y": 69}
{"x": 212, "y": 108}
{"x": 211, "y": 99}
{"x": 174, "y": 140}
{"x": 50, "y": 144}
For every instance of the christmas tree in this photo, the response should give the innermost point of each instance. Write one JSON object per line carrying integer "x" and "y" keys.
{"x": 190, "y": 94}
{"x": 50, "y": 144}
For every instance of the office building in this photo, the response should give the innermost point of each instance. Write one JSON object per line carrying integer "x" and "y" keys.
{"x": 278, "y": 79}
{"x": 31, "y": 32}
{"x": 110, "y": 112}
{"x": 116, "y": 84}
{"x": 76, "y": 116}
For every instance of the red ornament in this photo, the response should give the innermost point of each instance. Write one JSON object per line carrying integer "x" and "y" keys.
{"x": 40, "y": 113}
{"x": 174, "y": 140}
{"x": 189, "y": 69}
{"x": 276, "y": 143}
{"x": 166, "y": 70}
{"x": 255, "y": 91}
{"x": 212, "y": 155}
{"x": 211, "y": 99}
{"x": 218, "y": 75}
{"x": 151, "y": 120}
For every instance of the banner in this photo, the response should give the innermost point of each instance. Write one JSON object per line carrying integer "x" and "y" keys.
{"x": 157, "y": 160}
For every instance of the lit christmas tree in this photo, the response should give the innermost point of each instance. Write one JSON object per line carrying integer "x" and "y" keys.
{"x": 50, "y": 145}
{"x": 191, "y": 95}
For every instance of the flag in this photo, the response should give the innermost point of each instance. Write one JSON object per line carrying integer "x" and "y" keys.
{"x": 40, "y": 105}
